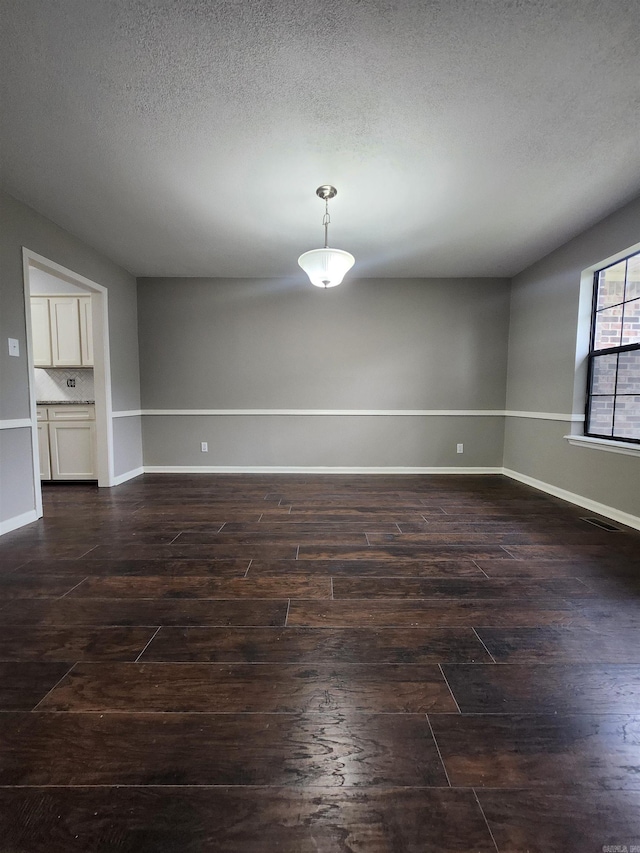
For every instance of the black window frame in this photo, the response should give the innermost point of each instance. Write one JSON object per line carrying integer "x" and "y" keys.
{"x": 594, "y": 354}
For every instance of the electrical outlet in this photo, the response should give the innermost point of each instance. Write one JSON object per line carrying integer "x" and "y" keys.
{"x": 459, "y": 448}
{"x": 14, "y": 347}
{"x": 204, "y": 446}
{"x": 71, "y": 383}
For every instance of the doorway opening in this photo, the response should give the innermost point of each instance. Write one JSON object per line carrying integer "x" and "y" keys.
{"x": 42, "y": 278}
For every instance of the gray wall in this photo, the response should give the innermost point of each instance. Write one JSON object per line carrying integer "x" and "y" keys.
{"x": 127, "y": 437}
{"x": 16, "y": 473}
{"x": 21, "y": 226}
{"x": 367, "y": 345}
{"x": 542, "y": 368}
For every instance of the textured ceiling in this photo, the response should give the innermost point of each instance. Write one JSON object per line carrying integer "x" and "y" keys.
{"x": 187, "y": 137}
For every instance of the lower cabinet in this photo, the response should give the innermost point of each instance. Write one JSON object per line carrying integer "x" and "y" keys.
{"x": 71, "y": 449}
{"x": 67, "y": 444}
{"x": 43, "y": 447}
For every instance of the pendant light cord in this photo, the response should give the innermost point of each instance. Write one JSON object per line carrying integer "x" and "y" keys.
{"x": 326, "y": 219}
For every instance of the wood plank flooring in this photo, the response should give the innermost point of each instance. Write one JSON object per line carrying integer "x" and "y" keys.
{"x": 318, "y": 664}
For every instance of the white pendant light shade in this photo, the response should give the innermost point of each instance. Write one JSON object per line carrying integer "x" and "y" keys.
{"x": 326, "y": 267}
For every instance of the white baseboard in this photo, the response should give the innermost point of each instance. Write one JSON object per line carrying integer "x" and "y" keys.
{"x": 579, "y": 500}
{"x": 571, "y": 497}
{"x": 18, "y": 521}
{"x": 128, "y": 475}
{"x": 295, "y": 469}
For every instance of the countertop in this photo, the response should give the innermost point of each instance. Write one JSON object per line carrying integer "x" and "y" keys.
{"x": 65, "y": 402}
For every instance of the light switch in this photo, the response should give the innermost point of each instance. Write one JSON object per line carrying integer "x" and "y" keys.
{"x": 14, "y": 347}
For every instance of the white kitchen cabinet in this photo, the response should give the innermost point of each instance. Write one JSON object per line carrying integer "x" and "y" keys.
{"x": 67, "y": 442}
{"x": 86, "y": 331}
{"x": 62, "y": 331}
{"x": 43, "y": 449}
{"x": 72, "y": 412}
{"x": 72, "y": 450}
{"x": 41, "y": 331}
{"x": 65, "y": 331}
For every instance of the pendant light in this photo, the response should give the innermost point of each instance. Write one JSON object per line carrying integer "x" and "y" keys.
{"x": 326, "y": 267}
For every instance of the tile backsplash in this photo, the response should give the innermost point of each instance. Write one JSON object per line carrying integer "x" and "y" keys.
{"x": 51, "y": 384}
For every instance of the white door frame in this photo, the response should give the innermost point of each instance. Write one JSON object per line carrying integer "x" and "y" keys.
{"x": 101, "y": 368}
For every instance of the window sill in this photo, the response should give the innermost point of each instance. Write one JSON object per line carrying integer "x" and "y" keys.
{"x": 604, "y": 444}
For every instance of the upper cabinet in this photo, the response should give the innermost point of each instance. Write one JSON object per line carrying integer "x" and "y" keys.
{"x": 41, "y": 331}
{"x": 62, "y": 331}
{"x": 64, "y": 312}
{"x": 86, "y": 331}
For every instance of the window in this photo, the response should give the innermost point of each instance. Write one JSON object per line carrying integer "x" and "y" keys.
{"x": 613, "y": 398}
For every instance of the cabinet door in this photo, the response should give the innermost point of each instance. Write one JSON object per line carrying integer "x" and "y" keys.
{"x": 72, "y": 450}
{"x": 65, "y": 331}
{"x": 86, "y": 331}
{"x": 43, "y": 452}
{"x": 40, "y": 331}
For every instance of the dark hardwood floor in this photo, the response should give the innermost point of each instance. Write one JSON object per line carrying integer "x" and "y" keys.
{"x": 318, "y": 664}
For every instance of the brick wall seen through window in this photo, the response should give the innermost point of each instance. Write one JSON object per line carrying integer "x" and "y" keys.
{"x": 613, "y": 394}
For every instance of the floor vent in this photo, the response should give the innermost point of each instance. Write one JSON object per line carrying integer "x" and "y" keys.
{"x": 604, "y": 525}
